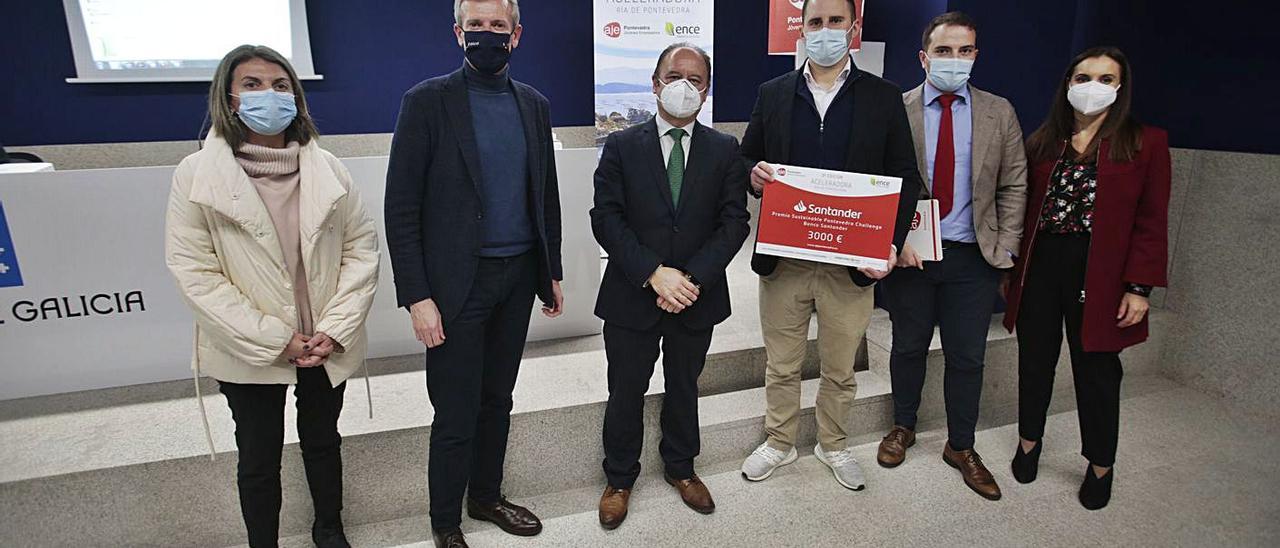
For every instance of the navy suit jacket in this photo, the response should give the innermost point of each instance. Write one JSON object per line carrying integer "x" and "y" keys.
{"x": 636, "y": 222}
{"x": 880, "y": 143}
{"x": 434, "y": 210}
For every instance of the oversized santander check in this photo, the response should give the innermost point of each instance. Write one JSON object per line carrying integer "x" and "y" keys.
{"x": 829, "y": 216}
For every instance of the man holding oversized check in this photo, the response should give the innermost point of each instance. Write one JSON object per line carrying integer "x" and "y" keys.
{"x": 830, "y": 151}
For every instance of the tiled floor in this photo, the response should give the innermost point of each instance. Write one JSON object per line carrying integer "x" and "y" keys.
{"x": 1191, "y": 472}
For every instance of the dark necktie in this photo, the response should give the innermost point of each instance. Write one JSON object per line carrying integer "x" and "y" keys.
{"x": 944, "y": 159}
{"x": 675, "y": 164}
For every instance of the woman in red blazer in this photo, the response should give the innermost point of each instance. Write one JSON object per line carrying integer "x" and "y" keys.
{"x": 1096, "y": 243}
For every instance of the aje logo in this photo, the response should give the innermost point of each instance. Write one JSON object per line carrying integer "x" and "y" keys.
{"x": 10, "y": 275}
{"x": 613, "y": 30}
{"x": 683, "y": 31}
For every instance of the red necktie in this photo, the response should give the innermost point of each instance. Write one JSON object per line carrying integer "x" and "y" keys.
{"x": 944, "y": 159}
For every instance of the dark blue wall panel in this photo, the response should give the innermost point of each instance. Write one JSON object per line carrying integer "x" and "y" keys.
{"x": 1204, "y": 71}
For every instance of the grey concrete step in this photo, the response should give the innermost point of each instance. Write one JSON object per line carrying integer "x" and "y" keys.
{"x": 134, "y": 473}
{"x": 130, "y": 466}
{"x": 802, "y": 506}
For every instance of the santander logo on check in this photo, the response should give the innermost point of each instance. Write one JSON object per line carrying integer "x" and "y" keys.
{"x": 829, "y": 216}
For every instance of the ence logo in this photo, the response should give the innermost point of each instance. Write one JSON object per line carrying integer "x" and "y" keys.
{"x": 683, "y": 30}
{"x": 613, "y": 30}
{"x": 878, "y": 182}
{"x": 10, "y": 274}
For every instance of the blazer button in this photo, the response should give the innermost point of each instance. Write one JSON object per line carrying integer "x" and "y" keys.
{"x": 675, "y": 229}
{"x": 479, "y": 216}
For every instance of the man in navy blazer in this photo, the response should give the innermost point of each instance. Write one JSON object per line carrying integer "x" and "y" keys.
{"x": 473, "y": 228}
{"x": 670, "y": 210}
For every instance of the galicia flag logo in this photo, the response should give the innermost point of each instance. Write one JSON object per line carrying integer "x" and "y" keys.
{"x": 10, "y": 275}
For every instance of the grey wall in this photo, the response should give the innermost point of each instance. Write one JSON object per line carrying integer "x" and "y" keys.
{"x": 1224, "y": 275}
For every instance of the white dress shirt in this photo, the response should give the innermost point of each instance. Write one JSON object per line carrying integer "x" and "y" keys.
{"x": 823, "y": 97}
{"x": 669, "y": 143}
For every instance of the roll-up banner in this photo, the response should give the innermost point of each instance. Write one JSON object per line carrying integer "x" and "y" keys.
{"x": 629, "y": 36}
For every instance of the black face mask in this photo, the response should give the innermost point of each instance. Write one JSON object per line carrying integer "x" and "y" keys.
{"x": 487, "y": 51}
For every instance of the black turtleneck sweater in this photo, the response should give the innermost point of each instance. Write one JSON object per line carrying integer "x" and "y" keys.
{"x": 508, "y": 228}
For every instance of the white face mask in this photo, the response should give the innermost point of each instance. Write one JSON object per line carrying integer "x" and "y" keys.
{"x": 949, "y": 75}
{"x": 1091, "y": 97}
{"x": 680, "y": 98}
{"x": 825, "y": 46}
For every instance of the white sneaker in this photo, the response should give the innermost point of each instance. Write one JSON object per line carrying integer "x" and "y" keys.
{"x": 843, "y": 466}
{"x": 761, "y": 463}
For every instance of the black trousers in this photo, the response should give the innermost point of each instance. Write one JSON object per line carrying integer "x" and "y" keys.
{"x": 469, "y": 380}
{"x": 956, "y": 294}
{"x": 632, "y": 355}
{"x": 1052, "y": 296}
{"x": 258, "y": 410}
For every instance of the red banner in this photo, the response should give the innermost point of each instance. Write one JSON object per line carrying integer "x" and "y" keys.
{"x": 829, "y": 216}
{"x": 786, "y": 25}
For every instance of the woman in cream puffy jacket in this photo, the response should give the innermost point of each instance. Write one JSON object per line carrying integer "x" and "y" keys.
{"x": 273, "y": 251}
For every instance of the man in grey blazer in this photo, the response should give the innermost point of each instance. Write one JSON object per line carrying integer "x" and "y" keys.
{"x": 970, "y": 153}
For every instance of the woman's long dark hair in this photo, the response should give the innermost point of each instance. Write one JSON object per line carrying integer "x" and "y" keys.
{"x": 1121, "y": 127}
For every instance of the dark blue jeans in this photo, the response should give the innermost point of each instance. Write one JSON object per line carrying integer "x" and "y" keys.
{"x": 957, "y": 295}
{"x": 469, "y": 380}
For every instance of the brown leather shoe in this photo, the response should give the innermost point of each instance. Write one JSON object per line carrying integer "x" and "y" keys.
{"x": 893, "y": 448}
{"x": 515, "y": 520}
{"x": 694, "y": 493}
{"x": 613, "y": 507}
{"x": 975, "y": 474}
{"x": 451, "y": 538}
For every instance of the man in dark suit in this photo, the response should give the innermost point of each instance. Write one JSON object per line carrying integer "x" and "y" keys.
{"x": 828, "y": 115}
{"x": 473, "y": 227}
{"x": 670, "y": 209}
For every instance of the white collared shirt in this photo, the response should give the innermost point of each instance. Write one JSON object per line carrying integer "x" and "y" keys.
{"x": 822, "y": 98}
{"x": 669, "y": 143}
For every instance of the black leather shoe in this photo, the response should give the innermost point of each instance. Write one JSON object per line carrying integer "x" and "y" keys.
{"x": 515, "y": 520}
{"x": 449, "y": 538}
{"x": 329, "y": 535}
{"x": 1095, "y": 492}
{"x": 1026, "y": 466}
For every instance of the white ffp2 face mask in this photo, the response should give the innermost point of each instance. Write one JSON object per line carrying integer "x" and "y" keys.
{"x": 680, "y": 98}
{"x": 1091, "y": 97}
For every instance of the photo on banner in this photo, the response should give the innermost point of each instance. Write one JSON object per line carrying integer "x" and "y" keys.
{"x": 628, "y": 39}
{"x": 786, "y": 26}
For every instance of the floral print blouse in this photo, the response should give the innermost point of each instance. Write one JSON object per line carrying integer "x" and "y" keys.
{"x": 1068, "y": 208}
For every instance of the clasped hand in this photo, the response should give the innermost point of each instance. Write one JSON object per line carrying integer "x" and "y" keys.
{"x": 313, "y": 351}
{"x": 676, "y": 291}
